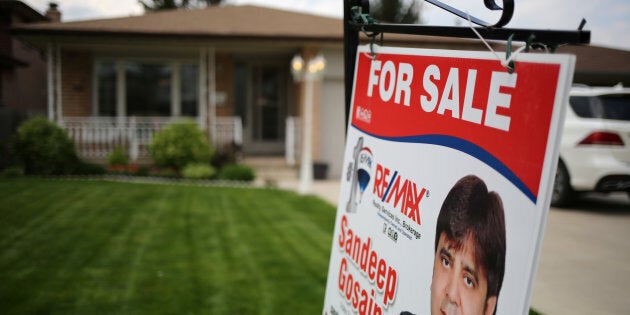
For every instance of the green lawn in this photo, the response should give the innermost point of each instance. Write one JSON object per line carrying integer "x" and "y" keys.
{"x": 91, "y": 247}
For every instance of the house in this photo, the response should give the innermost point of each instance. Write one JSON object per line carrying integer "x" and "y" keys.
{"x": 22, "y": 67}
{"x": 22, "y": 73}
{"x": 113, "y": 82}
{"x": 599, "y": 66}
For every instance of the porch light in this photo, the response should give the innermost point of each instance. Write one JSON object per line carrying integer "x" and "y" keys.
{"x": 317, "y": 65}
{"x": 297, "y": 64}
{"x": 313, "y": 71}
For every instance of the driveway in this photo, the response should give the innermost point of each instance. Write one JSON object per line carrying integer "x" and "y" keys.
{"x": 584, "y": 266}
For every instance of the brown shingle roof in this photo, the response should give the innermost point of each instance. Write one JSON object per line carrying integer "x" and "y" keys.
{"x": 233, "y": 22}
{"x": 599, "y": 59}
{"x": 226, "y": 21}
{"x": 260, "y": 23}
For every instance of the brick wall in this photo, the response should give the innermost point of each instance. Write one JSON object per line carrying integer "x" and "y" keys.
{"x": 224, "y": 77}
{"x": 77, "y": 83}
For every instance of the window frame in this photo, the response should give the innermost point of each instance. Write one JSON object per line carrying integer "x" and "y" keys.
{"x": 121, "y": 83}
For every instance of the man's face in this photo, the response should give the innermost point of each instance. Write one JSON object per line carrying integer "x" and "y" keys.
{"x": 459, "y": 286}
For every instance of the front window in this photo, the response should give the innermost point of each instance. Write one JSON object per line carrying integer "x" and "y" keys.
{"x": 189, "y": 74}
{"x": 106, "y": 74}
{"x": 150, "y": 88}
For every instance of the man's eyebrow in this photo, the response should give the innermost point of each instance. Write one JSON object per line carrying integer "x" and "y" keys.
{"x": 445, "y": 252}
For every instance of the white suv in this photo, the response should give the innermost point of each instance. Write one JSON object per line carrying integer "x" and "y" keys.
{"x": 595, "y": 148}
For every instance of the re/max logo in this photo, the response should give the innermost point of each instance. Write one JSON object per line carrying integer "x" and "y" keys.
{"x": 406, "y": 194}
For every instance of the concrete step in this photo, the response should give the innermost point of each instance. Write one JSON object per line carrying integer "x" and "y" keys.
{"x": 265, "y": 161}
{"x": 271, "y": 170}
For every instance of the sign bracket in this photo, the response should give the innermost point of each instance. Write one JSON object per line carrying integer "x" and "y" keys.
{"x": 357, "y": 19}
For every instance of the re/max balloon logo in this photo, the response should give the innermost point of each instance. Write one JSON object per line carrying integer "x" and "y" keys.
{"x": 405, "y": 193}
{"x": 359, "y": 172}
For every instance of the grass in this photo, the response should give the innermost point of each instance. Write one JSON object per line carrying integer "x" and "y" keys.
{"x": 75, "y": 247}
{"x": 80, "y": 247}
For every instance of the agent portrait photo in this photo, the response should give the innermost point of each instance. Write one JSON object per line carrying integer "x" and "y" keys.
{"x": 469, "y": 251}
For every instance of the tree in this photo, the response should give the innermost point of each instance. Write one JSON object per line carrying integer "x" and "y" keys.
{"x": 156, "y": 5}
{"x": 396, "y": 11}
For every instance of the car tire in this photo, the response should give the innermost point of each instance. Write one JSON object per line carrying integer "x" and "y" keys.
{"x": 562, "y": 190}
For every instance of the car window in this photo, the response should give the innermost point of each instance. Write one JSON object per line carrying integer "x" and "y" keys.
{"x": 611, "y": 106}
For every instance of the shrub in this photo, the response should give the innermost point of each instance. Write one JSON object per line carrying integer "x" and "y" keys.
{"x": 10, "y": 120}
{"x": 84, "y": 168}
{"x": 198, "y": 171}
{"x": 143, "y": 171}
{"x": 227, "y": 155}
{"x": 11, "y": 172}
{"x": 237, "y": 172}
{"x": 43, "y": 148}
{"x": 117, "y": 157}
{"x": 165, "y": 172}
{"x": 6, "y": 156}
{"x": 180, "y": 144}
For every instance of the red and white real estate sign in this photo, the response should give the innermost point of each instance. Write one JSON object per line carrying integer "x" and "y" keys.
{"x": 427, "y": 122}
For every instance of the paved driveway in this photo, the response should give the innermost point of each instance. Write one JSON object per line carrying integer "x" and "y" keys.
{"x": 585, "y": 261}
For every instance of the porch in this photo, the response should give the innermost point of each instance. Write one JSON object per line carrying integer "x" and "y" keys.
{"x": 96, "y": 137}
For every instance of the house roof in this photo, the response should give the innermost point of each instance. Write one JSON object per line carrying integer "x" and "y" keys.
{"x": 266, "y": 24}
{"x": 599, "y": 65}
{"x": 223, "y": 21}
{"x": 24, "y": 11}
{"x": 599, "y": 59}
{"x": 228, "y": 22}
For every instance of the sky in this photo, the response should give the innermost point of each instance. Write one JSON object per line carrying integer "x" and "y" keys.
{"x": 606, "y": 19}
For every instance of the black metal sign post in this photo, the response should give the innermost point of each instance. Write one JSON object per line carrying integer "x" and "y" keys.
{"x": 357, "y": 11}
{"x": 350, "y": 43}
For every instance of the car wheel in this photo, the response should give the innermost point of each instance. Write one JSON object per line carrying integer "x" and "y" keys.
{"x": 562, "y": 191}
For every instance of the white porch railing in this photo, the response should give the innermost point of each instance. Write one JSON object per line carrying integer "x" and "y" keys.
{"x": 293, "y": 141}
{"x": 228, "y": 131}
{"x": 96, "y": 137}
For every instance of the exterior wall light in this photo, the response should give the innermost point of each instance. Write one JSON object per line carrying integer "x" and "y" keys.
{"x": 297, "y": 65}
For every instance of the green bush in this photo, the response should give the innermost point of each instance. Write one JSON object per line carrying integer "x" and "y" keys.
{"x": 198, "y": 171}
{"x": 42, "y": 148}
{"x": 180, "y": 144}
{"x": 237, "y": 172}
{"x": 166, "y": 172}
{"x": 85, "y": 168}
{"x": 143, "y": 171}
{"x": 117, "y": 157}
{"x": 12, "y": 172}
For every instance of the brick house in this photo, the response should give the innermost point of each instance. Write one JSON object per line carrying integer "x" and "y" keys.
{"x": 22, "y": 67}
{"x": 113, "y": 82}
{"x": 22, "y": 73}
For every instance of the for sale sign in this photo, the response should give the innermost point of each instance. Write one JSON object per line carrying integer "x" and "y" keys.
{"x": 449, "y": 166}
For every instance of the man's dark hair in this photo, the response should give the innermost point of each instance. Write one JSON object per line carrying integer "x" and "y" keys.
{"x": 469, "y": 210}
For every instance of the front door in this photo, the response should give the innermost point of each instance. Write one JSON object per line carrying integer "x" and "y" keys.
{"x": 262, "y": 89}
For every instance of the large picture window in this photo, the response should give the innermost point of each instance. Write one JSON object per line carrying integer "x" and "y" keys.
{"x": 189, "y": 74}
{"x": 150, "y": 88}
{"x": 106, "y": 74}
